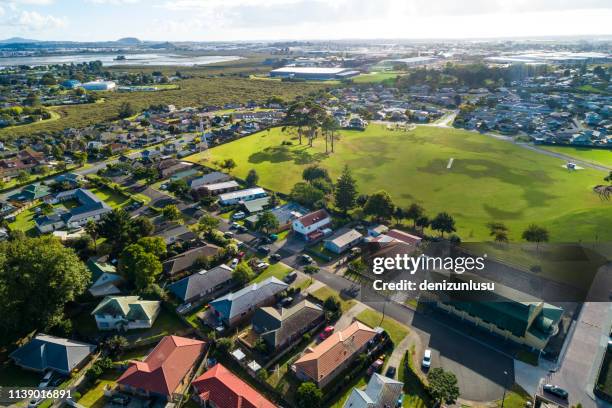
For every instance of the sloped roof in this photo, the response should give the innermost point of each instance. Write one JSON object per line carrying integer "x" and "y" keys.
{"x": 185, "y": 260}
{"x": 165, "y": 367}
{"x": 225, "y": 390}
{"x": 318, "y": 362}
{"x": 202, "y": 281}
{"x": 281, "y": 324}
{"x": 46, "y": 352}
{"x": 130, "y": 307}
{"x": 313, "y": 217}
{"x": 235, "y": 303}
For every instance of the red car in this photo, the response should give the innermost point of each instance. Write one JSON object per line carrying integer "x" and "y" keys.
{"x": 326, "y": 332}
{"x": 240, "y": 255}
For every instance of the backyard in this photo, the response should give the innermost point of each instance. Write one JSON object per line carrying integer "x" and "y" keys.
{"x": 488, "y": 179}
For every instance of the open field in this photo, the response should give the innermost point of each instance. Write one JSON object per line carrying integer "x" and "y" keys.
{"x": 376, "y": 77}
{"x": 597, "y": 156}
{"x": 193, "y": 92}
{"x": 490, "y": 180}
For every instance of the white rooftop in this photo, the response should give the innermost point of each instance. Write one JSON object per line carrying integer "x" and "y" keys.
{"x": 310, "y": 70}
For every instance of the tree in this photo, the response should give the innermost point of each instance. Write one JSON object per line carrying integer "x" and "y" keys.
{"x": 243, "y": 273}
{"x": 120, "y": 230}
{"x": 91, "y": 229}
{"x": 443, "y": 386}
{"x": 346, "y": 191}
{"x": 608, "y": 178}
{"x": 443, "y": 222}
{"x": 315, "y": 172}
{"x": 398, "y": 214}
{"x": 208, "y": 223}
{"x": 23, "y": 176}
{"x": 229, "y": 165}
{"x": 414, "y": 212}
{"x": 116, "y": 344}
{"x": 126, "y": 110}
{"x": 38, "y": 276}
{"x": 380, "y": 206}
{"x": 498, "y": 231}
{"x": 307, "y": 194}
{"x": 308, "y": 395}
{"x": 140, "y": 266}
{"x": 81, "y": 157}
{"x": 178, "y": 187}
{"x": 266, "y": 222}
{"x": 422, "y": 222}
{"x": 330, "y": 126}
{"x": 171, "y": 212}
{"x": 252, "y": 178}
{"x": 535, "y": 233}
{"x": 153, "y": 245}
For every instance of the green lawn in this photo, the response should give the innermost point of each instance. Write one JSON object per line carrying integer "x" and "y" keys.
{"x": 516, "y": 397}
{"x": 395, "y": 329}
{"x": 323, "y": 293}
{"x": 278, "y": 270}
{"x": 110, "y": 197}
{"x": 359, "y": 382}
{"x": 94, "y": 397}
{"x": 375, "y": 77}
{"x": 597, "y": 156}
{"x": 489, "y": 179}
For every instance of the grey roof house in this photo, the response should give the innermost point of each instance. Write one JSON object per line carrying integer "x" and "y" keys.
{"x": 182, "y": 262}
{"x": 279, "y": 328}
{"x": 46, "y": 352}
{"x": 204, "y": 284}
{"x": 237, "y": 306}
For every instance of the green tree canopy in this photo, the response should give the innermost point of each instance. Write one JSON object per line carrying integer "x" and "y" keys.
{"x": 38, "y": 276}
{"x": 308, "y": 395}
{"x": 443, "y": 385}
{"x": 535, "y": 233}
{"x": 379, "y": 205}
{"x": 443, "y": 222}
{"x": 171, "y": 212}
{"x": 346, "y": 191}
{"x": 243, "y": 273}
{"x": 266, "y": 222}
{"x": 252, "y": 178}
{"x": 307, "y": 194}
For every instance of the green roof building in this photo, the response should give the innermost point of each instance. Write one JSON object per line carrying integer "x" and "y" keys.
{"x": 126, "y": 313}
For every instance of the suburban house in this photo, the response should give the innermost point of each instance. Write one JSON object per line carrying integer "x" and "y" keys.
{"x": 25, "y": 160}
{"x": 313, "y": 226}
{"x": 256, "y": 206}
{"x": 279, "y": 328}
{"x": 165, "y": 371}
{"x": 91, "y": 208}
{"x": 126, "y": 313}
{"x": 219, "y": 188}
{"x": 343, "y": 241}
{"x": 382, "y": 234}
{"x": 182, "y": 262}
{"x": 31, "y": 192}
{"x": 72, "y": 179}
{"x": 328, "y": 359}
{"x": 220, "y": 388}
{"x": 381, "y": 392}
{"x": 177, "y": 233}
{"x": 236, "y": 306}
{"x": 235, "y": 197}
{"x": 45, "y": 352}
{"x": 511, "y": 314}
{"x": 210, "y": 178}
{"x": 203, "y": 285}
{"x": 284, "y": 214}
{"x": 106, "y": 280}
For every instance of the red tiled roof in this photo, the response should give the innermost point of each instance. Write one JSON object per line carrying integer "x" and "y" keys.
{"x": 220, "y": 386}
{"x": 165, "y": 367}
{"x": 320, "y": 361}
{"x": 313, "y": 217}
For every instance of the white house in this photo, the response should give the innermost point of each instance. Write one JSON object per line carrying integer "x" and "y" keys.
{"x": 313, "y": 225}
{"x": 126, "y": 313}
{"x": 241, "y": 195}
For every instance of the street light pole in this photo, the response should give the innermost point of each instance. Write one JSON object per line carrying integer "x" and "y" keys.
{"x": 505, "y": 384}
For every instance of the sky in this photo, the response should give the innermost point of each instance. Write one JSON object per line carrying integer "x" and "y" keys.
{"x": 234, "y": 20}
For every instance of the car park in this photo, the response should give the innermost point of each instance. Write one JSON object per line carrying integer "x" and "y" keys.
{"x": 555, "y": 390}
{"x": 426, "y": 363}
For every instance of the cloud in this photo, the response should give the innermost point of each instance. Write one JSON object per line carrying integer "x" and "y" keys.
{"x": 113, "y": 2}
{"x": 30, "y": 2}
{"x": 34, "y": 21}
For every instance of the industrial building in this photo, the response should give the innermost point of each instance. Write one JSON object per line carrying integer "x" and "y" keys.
{"x": 99, "y": 86}
{"x": 411, "y": 62}
{"x": 314, "y": 73}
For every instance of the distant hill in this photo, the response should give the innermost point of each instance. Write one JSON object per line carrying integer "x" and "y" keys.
{"x": 18, "y": 40}
{"x": 129, "y": 41}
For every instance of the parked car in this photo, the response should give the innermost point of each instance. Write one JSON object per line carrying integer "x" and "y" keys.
{"x": 375, "y": 366}
{"x": 234, "y": 225}
{"x": 242, "y": 229}
{"x": 273, "y": 237}
{"x": 326, "y": 332}
{"x": 240, "y": 255}
{"x": 228, "y": 234}
{"x": 307, "y": 259}
{"x": 426, "y": 363}
{"x": 290, "y": 277}
{"x": 183, "y": 308}
{"x": 240, "y": 215}
{"x": 234, "y": 263}
{"x": 262, "y": 265}
{"x": 555, "y": 390}
{"x": 264, "y": 249}
{"x": 44, "y": 382}
{"x": 286, "y": 301}
{"x": 275, "y": 257}
{"x": 391, "y": 372}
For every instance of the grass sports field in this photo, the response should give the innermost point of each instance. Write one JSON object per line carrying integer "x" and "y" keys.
{"x": 488, "y": 179}
{"x": 597, "y": 156}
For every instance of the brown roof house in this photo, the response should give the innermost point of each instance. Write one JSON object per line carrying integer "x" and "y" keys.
{"x": 324, "y": 362}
